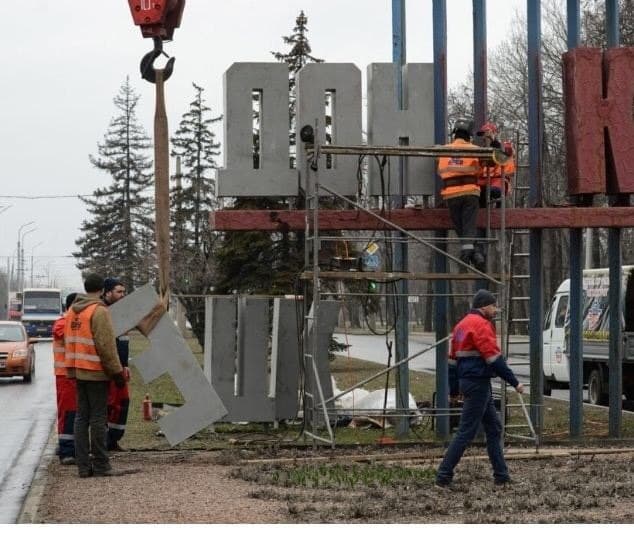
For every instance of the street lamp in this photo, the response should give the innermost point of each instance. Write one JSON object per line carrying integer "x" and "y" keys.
{"x": 32, "y": 251}
{"x": 21, "y": 235}
{"x": 19, "y": 266}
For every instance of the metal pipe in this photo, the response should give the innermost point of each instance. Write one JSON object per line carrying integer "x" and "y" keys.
{"x": 387, "y": 369}
{"x": 439, "y": 16}
{"x": 399, "y": 58}
{"x": 576, "y": 274}
{"x": 535, "y": 142}
{"x": 479, "y": 62}
{"x": 615, "y": 363}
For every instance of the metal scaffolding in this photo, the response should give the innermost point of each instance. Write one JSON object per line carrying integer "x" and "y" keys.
{"x": 316, "y": 405}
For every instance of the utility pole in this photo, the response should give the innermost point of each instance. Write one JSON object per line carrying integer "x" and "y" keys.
{"x": 32, "y": 251}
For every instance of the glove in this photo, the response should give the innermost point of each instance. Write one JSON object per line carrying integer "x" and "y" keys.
{"x": 119, "y": 380}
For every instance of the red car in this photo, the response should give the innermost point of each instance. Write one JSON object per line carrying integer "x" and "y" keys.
{"x": 17, "y": 356}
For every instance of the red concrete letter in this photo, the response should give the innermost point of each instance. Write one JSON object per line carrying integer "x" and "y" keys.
{"x": 589, "y": 114}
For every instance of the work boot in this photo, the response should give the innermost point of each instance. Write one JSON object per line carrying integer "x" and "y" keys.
{"x": 442, "y": 484}
{"x": 117, "y": 448}
{"x": 67, "y": 460}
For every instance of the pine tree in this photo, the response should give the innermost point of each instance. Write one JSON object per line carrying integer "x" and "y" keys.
{"x": 117, "y": 238}
{"x": 296, "y": 58}
{"x": 194, "y": 196}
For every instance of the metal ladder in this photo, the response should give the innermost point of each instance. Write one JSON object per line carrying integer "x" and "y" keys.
{"x": 516, "y": 317}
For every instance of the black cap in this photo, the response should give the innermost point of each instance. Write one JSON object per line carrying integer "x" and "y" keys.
{"x": 483, "y": 298}
{"x": 465, "y": 126}
{"x": 110, "y": 283}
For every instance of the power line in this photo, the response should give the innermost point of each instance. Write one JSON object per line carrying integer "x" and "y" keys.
{"x": 42, "y": 256}
{"x": 31, "y": 197}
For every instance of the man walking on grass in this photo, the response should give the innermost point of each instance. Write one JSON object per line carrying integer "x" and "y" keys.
{"x": 475, "y": 358}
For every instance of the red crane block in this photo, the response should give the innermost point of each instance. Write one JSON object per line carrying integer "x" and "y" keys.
{"x": 599, "y": 94}
{"x": 157, "y": 19}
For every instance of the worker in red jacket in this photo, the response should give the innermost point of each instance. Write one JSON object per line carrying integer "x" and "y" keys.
{"x": 66, "y": 392}
{"x": 493, "y": 175}
{"x": 118, "y": 398}
{"x": 475, "y": 358}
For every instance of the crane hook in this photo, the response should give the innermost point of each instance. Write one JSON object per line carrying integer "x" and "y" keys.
{"x": 147, "y": 62}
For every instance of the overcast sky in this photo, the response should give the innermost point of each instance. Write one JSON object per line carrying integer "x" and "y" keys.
{"x": 64, "y": 61}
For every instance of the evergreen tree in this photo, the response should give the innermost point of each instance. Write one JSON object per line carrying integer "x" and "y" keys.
{"x": 194, "y": 196}
{"x": 296, "y": 58}
{"x": 117, "y": 239}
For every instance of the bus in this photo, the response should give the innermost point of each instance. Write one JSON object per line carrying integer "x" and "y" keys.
{"x": 41, "y": 307}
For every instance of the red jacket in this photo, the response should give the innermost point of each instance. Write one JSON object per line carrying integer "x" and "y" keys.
{"x": 474, "y": 351}
{"x": 58, "y": 346}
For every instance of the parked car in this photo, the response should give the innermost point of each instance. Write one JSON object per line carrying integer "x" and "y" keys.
{"x": 17, "y": 356}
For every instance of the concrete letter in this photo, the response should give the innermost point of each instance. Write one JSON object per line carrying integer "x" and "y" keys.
{"x": 588, "y": 113}
{"x": 387, "y": 124}
{"x": 344, "y": 81}
{"x": 168, "y": 353}
{"x": 274, "y": 177}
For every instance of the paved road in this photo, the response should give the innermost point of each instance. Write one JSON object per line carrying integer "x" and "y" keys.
{"x": 27, "y": 413}
{"x": 372, "y": 348}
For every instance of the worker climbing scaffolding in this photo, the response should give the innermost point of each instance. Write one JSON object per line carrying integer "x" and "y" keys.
{"x": 461, "y": 192}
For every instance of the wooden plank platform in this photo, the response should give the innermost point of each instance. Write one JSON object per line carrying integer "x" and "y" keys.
{"x": 423, "y": 219}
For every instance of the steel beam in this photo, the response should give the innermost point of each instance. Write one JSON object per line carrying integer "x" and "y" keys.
{"x": 576, "y": 271}
{"x": 615, "y": 363}
{"x": 535, "y": 140}
{"x": 479, "y": 62}
{"x": 441, "y": 306}
{"x": 424, "y": 219}
{"x": 400, "y": 253}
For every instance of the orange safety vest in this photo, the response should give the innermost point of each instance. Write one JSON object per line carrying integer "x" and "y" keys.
{"x": 494, "y": 173}
{"x": 459, "y": 174}
{"x": 59, "y": 353}
{"x": 79, "y": 343}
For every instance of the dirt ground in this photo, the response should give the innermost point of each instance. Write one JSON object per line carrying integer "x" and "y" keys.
{"x": 558, "y": 485}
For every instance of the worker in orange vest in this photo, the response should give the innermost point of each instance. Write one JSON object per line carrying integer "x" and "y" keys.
{"x": 461, "y": 192}
{"x": 118, "y": 398}
{"x": 91, "y": 357}
{"x": 65, "y": 390}
{"x": 496, "y": 176}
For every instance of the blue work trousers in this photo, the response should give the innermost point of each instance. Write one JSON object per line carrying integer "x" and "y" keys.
{"x": 478, "y": 408}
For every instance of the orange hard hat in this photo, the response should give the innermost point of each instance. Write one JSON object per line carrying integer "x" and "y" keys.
{"x": 488, "y": 127}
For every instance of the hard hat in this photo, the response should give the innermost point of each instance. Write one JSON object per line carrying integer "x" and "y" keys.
{"x": 488, "y": 127}
{"x": 463, "y": 125}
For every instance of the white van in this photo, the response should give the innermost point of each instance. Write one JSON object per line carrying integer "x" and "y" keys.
{"x": 596, "y": 349}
